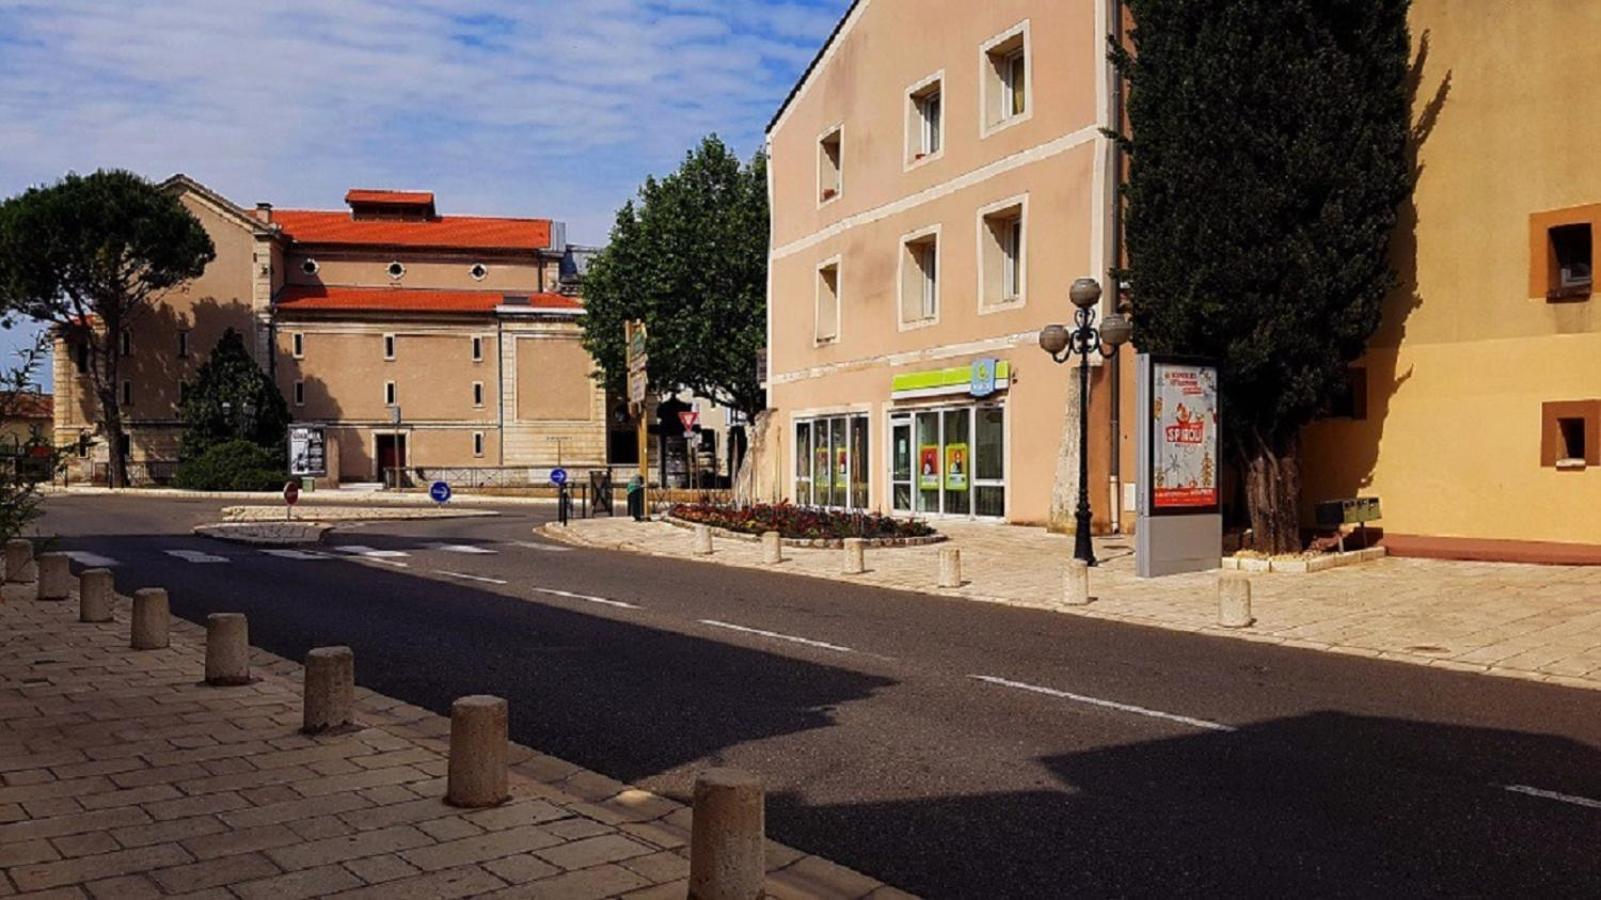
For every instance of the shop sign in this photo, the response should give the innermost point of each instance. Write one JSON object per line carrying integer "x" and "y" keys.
{"x": 1184, "y": 437}
{"x": 955, "y": 467}
{"x": 981, "y": 378}
{"x": 928, "y": 467}
{"x": 982, "y": 381}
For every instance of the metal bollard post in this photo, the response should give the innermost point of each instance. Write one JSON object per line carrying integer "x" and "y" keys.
{"x": 772, "y": 548}
{"x": 55, "y": 577}
{"x": 1076, "y": 584}
{"x": 727, "y": 841}
{"x": 855, "y": 556}
{"x": 150, "y": 619}
{"x": 950, "y": 567}
{"x": 478, "y": 752}
{"x": 330, "y": 689}
{"x": 227, "y": 649}
{"x": 96, "y": 587}
{"x": 1234, "y": 600}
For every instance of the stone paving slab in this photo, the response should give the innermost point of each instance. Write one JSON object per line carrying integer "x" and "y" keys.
{"x": 1539, "y": 623}
{"x": 123, "y": 777}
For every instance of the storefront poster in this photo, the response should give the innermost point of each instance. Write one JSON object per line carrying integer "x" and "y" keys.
{"x": 1185, "y": 439}
{"x": 955, "y": 467}
{"x": 928, "y": 467}
{"x": 842, "y": 471}
{"x": 821, "y": 468}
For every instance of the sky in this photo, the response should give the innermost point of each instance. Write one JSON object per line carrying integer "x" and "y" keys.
{"x": 545, "y": 108}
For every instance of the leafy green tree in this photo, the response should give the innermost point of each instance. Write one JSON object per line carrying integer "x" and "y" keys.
{"x": 34, "y": 460}
{"x": 1268, "y": 160}
{"x": 89, "y": 254}
{"x": 689, "y": 259}
{"x": 229, "y": 399}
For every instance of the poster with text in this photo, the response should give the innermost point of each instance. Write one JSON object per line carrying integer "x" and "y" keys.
{"x": 955, "y": 467}
{"x": 842, "y": 470}
{"x": 928, "y": 467}
{"x": 1185, "y": 438}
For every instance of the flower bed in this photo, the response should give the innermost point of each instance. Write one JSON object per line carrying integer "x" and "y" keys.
{"x": 805, "y": 526}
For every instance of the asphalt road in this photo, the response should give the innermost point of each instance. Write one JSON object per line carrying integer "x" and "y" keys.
{"x": 953, "y": 748}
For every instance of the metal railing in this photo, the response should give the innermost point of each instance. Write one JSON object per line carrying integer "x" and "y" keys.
{"x": 478, "y": 477}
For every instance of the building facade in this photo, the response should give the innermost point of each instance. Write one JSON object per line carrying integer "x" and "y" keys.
{"x": 1476, "y": 414}
{"x": 415, "y": 340}
{"x": 939, "y": 179}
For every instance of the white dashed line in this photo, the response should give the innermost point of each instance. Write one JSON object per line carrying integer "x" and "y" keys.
{"x": 1552, "y": 795}
{"x": 464, "y": 576}
{"x": 370, "y": 552}
{"x": 197, "y": 556}
{"x": 297, "y": 554}
{"x": 1105, "y": 704}
{"x": 92, "y": 560}
{"x": 545, "y": 547}
{"x": 460, "y": 548}
{"x": 776, "y": 636}
{"x": 586, "y": 598}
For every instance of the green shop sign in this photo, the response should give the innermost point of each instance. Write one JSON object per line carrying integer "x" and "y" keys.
{"x": 980, "y": 379}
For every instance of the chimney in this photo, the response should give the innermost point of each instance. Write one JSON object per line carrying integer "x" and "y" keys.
{"x": 264, "y": 212}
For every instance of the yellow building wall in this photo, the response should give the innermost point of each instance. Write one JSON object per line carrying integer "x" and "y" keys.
{"x": 1465, "y": 356}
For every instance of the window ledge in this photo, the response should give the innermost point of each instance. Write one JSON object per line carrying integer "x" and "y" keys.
{"x": 923, "y": 159}
{"x": 1571, "y": 465}
{"x": 1576, "y": 294}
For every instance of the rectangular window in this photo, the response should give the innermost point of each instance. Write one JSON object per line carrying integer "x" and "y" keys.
{"x": 297, "y": 345}
{"x": 183, "y": 343}
{"x": 1574, "y": 254}
{"x": 300, "y": 393}
{"x": 920, "y": 279}
{"x": 183, "y": 392}
{"x": 925, "y": 125}
{"x": 1002, "y": 254}
{"x": 803, "y": 464}
{"x": 1570, "y": 434}
{"x": 827, "y": 325}
{"x": 478, "y": 393}
{"x": 1005, "y": 69}
{"x": 389, "y": 346}
{"x": 1016, "y": 84}
{"x": 127, "y": 343}
{"x": 831, "y": 462}
{"x": 127, "y": 393}
{"x": 1351, "y": 402}
{"x": 478, "y": 349}
{"x": 81, "y": 357}
{"x": 830, "y": 165}
{"x": 389, "y": 393}
{"x": 478, "y": 443}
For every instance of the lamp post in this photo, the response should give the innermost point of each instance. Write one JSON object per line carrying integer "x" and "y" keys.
{"x": 1083, "y": 339}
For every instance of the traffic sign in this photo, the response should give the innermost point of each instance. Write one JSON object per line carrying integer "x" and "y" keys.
{"x": 291, "y": 492}
{"x": 558, "y": 477}
{"x": 440, "y": 492}
{"x": 689, "y": 418}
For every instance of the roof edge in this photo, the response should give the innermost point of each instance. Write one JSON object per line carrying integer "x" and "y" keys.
{"x": 811, "y": 69}
{"x": 229, "y": 209}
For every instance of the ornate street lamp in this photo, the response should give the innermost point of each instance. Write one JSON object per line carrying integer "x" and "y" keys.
{"x": 1063, "y": 343}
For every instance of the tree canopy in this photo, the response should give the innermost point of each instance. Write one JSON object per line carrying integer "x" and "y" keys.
{"x": 231, "y": 398}
{"x": 1267, "y": 164}
{"x": 89, "y": 254}
{"x": 689, "y": 259}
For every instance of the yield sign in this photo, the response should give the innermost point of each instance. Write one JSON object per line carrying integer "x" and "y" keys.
{"x": 689, "y": 419}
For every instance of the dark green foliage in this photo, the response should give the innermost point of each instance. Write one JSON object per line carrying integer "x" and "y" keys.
{"x": 88, "y": 254}
{"x": 690, "y": 260}
{"x": 25, "y": 464}
{"x": 1268, "y": 160}
{"x": 231, "y": 398}
{"x": 234, "y": 466}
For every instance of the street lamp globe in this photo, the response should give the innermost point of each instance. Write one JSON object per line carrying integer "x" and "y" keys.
{"x": 1085, "y": 293}
{"x": 1116, "y": 329}
{"x": 1054, "y": 339}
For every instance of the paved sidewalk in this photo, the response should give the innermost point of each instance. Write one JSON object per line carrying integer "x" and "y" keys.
{"x": 124, "y": 778}
{"x": 1540, "y": 623}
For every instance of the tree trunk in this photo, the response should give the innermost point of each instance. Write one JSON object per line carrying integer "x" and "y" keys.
{"x": 1273, "y": 494}
{"x": 748, "y": 482}
{"x": 106, "y": 388}
{"x": 1064, "y": 487}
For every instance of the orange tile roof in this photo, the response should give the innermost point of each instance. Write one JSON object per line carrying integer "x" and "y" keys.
{"x": 442, "y": 232}
{"x": 324, "y": 298}
{"x": 407, "y": 198}
{"x": 28, "y": 405}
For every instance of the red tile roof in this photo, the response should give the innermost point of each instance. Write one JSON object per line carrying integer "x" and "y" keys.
{"x": 28, "y": 405}
{"x": 347, "y": 299}
{"x": 442, "y": 232}
{"x": 404, "y": 198}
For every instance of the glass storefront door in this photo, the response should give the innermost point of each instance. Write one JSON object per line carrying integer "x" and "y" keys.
{"x": 831, "y": 465}
{"x": 949, "y": 461}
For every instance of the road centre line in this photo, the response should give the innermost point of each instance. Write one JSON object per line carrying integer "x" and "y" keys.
{"x": 586, "y": 598}
{"x": 776, "y": 636}
{"x": 1552, "y": 795}
{"x": 464, "y": 575}
{"x": 1105, "y": 704}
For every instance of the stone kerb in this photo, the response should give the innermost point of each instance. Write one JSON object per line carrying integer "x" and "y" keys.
{"x": 815, "y": 543}
{"x": 265, "y": 534}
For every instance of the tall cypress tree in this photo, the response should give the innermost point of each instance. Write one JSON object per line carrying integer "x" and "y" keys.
{"x": 1267, "y": 162}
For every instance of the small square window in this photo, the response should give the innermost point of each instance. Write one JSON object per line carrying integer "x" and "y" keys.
{"x": 920, "y": 279}
{"x": 1002, "y": 254}
{"x": 389, "y": 346}
{"x": 1570, "y": 434}
{"x": 925, "y": 121}
{"x": 389, "y": 393}
{"x": 1007, "y": 92}
{"x": 830, "y": 165}
{"x": 478, "y": 349}
{"x": 827, "y": 324}
{"x": 297, "y": 345}
{"x": 300, "y": 393}
{"x": 1573, "y": 253}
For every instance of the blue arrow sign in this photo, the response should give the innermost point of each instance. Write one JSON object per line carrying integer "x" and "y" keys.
{"x": 558, "y": 477}
{"x": 440, "y": 492}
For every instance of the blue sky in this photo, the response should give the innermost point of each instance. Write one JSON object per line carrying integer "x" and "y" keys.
{"x": 513, "y": 107}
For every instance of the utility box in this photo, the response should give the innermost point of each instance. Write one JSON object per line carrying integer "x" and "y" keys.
{"x": 1332, "y": 514}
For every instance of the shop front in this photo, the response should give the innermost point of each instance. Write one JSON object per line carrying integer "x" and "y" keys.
{"x": 948, "y": 441}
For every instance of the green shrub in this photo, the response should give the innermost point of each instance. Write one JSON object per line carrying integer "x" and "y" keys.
{"x": 233, "y": 466}
{"x": 799, "y": 521}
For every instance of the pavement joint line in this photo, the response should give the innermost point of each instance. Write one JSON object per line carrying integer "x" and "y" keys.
{"x": 463, "y": 575}
{"x": 1552, "y": 795}
{"x": 1106, "y": 704}
{"x": 777, "y": 636}
{"x": 586, "y": 598}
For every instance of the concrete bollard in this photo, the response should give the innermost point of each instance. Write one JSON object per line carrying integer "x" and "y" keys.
{"x": 227, "y": 649}
{"x": 55, "y": 576}
{"x": 1076, "y": 586}
{"x": 1234, "y": 600}
{"x": 727, "y": 837}
{"x": 96, "y": 587}
{"x": 150, "y": 619}
{"x": 330, "y": 690}
{"x": 772, "y": 548}
{"x": 478, "y": 752}
{"x": 703, "y": 540}
{"x": 855, "y": 556}
{"x": 19, "y": 561}
{"x": 950, "y": 567}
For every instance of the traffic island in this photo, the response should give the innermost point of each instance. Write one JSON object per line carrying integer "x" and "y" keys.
{"x": 266, "y": 534}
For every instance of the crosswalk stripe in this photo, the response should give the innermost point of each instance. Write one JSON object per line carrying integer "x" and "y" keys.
{"x": 460, "y": 548}
{"x": 92, "y": 560}
{"x": 545, "y": 547}
{"x": 296, "y": 554}
{"x": 364, "y": 550}
{"x": 197, "y": 556}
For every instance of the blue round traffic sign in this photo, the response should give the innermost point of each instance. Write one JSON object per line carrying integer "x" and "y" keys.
{"x": 440, "y": 491}
{"x": 558, "y": 477}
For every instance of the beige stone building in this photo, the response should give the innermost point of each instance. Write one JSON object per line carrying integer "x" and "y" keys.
{"x": 416, "y": 341}
{"x": 939, "y": 179}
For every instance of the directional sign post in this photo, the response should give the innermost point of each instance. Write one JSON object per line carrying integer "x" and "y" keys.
{"x": 440, "y": 492}
{"x": 558, "y": 477}
{"x": 291, "y": 497}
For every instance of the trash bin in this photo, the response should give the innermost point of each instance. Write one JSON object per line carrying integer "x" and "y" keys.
{"x": 636, "y": 498}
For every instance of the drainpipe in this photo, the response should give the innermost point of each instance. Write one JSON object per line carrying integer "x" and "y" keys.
{"x": 500, "y": 384}
{"x": 1116, "y": 369}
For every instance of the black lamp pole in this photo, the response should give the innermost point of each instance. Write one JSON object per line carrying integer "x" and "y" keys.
{"x": 1082, "y": 340}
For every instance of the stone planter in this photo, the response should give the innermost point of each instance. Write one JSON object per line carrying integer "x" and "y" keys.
{"x": 1302, "y": 566}
{"x": 814, "y": 543}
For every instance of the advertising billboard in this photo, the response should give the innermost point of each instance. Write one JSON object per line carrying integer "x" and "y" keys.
{"x": 1184, "y": 438}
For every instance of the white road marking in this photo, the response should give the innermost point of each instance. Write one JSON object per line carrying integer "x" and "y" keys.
{"x": 296, "y": 554}
{"x": 1106, "y": 704}
{"x": 460, "y": 548}
{"x": 776, "y": 636}
{"x": 1552, "y": 795}
{"x": 548, "y": 548}
{"x": 586, "y": 598}
{"x": 464, "y": 575}
{"x": 92, "y": 560}
{"x": 371, "y": 553}
{"x": 197, "y": 556}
